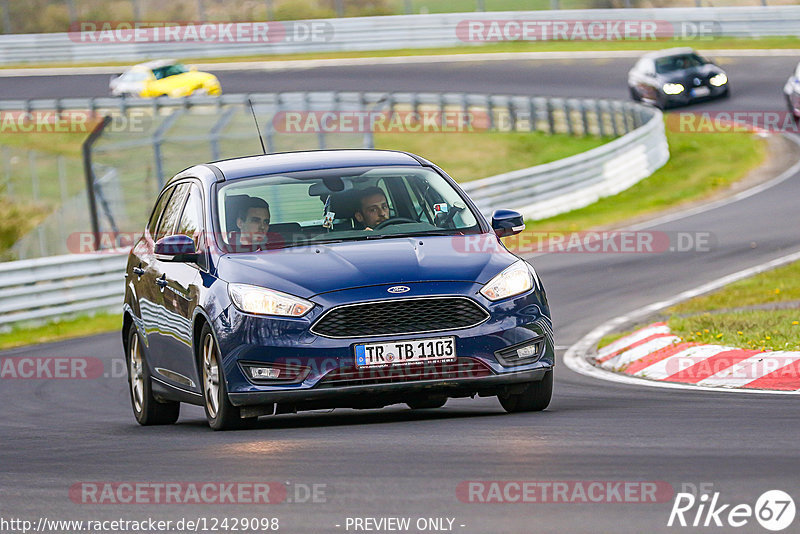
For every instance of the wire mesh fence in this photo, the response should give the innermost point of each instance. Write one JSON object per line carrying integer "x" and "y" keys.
{"x": 144, "y": 142}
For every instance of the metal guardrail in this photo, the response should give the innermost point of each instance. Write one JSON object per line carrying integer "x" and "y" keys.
{"x": 33, "y": 290}
{"x": 45, "y": 288}
{"x": 401, "y": 31}
{"x": 577, "y": 181}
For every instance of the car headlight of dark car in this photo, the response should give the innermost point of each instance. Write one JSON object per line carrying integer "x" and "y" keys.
{"x": 263, "y": 301}
{"x": 718, "y": 80}
{"x": 514, "y": 280}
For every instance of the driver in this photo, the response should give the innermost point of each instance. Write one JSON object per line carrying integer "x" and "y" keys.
{"x": 373, "y": 208}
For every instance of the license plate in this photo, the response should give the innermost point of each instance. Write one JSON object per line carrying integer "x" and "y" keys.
{"x": 701, "y": 91}
{"x": 440, "y": 349}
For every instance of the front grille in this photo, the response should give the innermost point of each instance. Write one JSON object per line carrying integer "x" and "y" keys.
{"x": 400, "y": 316}
{"x": 353, "y": 376}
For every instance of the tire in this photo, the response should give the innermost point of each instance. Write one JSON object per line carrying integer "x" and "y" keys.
{"x": 221, "y": 414}
{"x": 635, "y": 94}
{"x": 427, "y": 404}
{"x": 535, "y": 398}
{"x": 147, "y": 410}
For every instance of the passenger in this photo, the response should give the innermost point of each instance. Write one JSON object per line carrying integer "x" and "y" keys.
{"x": 372, "y": 208}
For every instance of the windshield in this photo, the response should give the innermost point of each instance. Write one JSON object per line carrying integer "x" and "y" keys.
{"x": 334, "y": 205}
{"x": 169, "y": 70}
{"x": 682, "y": 62}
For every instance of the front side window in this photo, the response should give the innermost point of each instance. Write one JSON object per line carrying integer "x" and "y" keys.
{"x": 172, "y": 211}
{"x": 169, "y": 70}
{"x": 191, "y": 223}
{"x": 310, "y": 207}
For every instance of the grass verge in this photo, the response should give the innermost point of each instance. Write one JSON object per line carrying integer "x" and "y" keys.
{"x": 726, "y": 43}
{"x": 760, "y": 313}
{"x": 700, "y": 165}
{"x": 82, "y": 326}
{"x": 499, "y": 151}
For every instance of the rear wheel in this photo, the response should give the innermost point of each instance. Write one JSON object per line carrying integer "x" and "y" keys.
{"x": 146, "y": 409}
{"x": 221, "y": 414}
{"x": 427, "y": 404}
{"x": 534, "y": 398}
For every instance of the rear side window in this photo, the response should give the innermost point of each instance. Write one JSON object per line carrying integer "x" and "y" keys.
{"x": 172, "y": 211}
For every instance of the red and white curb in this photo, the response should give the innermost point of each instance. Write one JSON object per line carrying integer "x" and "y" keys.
{"x": 654, "y": 353}
{"x": 580, "y": 357}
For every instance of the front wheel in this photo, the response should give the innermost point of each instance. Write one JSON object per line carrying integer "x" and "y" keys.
{"x": 534, "y": 398}
{"x": 146, "y": 409}
{"x": 221, "y": 414}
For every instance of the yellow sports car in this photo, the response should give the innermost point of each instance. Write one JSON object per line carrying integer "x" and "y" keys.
{"x": 163, "y": 77}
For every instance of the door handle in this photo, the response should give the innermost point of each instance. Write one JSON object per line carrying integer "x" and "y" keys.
{"x": 138, "y": 271}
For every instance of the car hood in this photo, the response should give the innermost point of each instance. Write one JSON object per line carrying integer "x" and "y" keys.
{"x": 304, "y": 272}
{"x": 686, "y": 76}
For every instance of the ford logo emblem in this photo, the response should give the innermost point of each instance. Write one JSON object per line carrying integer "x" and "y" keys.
{"x": 398, "y": 289}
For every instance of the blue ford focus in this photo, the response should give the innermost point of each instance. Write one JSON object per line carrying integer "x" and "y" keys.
{"x": 343, "y": 278}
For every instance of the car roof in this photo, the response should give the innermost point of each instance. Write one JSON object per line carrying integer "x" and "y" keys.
{"x": 680, "y": 51}
{"x": 155, "y": 64}
{"x": 313, "y": 160}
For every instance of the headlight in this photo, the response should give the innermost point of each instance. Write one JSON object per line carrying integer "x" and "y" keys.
{"x": 718, "y": 79}
{"x": 514, "y": 280}
{"x": 672, "y": 88}
{"x": 263, "y": 301}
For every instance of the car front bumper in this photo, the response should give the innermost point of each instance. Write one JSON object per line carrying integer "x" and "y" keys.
{"x": 328, "y": 364}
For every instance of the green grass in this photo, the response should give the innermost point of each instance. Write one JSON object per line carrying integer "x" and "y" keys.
{"x": 722, "y": 317}
{"x": 700, "y": 164}
{"x": 59, "y": 330}
{"x": 779, "y": 285}
{"x": 503, "y": 47}
{"x": 500, "y": 151}
{"x": 750, "y": 329}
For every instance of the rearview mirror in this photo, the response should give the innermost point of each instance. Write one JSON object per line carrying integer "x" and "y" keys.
{"x": 507, "y": 222}
{"x": 176, "y": 248}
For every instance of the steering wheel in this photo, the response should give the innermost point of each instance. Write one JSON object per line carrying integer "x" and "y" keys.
{"x": 393, "y": 220}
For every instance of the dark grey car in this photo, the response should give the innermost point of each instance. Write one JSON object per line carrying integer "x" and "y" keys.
{"x": 677, "y": 76}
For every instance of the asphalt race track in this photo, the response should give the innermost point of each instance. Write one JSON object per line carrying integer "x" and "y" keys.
{"x": 398, "y": 463}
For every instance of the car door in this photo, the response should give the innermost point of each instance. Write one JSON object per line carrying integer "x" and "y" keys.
{"x": 648, "y": 85}
{"x": 181, "y": 296}
{"x": 163, "y": 323}
{"x": 143, "y": 274}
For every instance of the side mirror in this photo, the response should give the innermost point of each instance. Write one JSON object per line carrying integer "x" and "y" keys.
{"x": 507, "y": 222}
{"x": 176, "y": 248}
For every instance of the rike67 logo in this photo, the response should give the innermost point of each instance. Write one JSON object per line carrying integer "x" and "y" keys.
{"x": 774, "y": 510}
